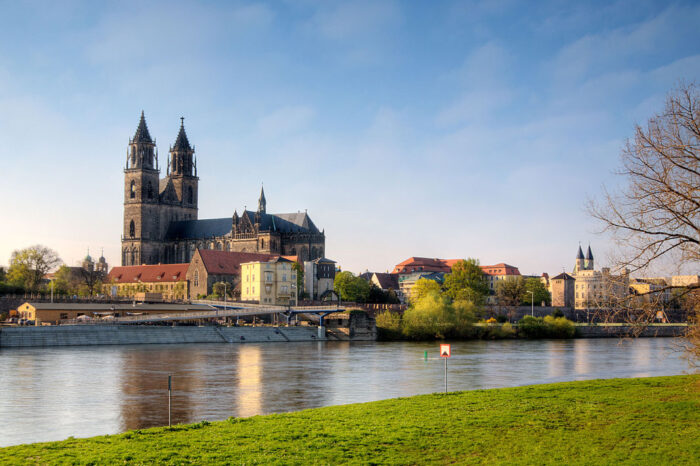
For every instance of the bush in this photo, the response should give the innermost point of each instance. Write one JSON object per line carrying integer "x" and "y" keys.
{"x": 557, "y": 313}
{"x": 549, "y": 327}
{"x": 532, "y": 327}
{"x": 560, "y": 327}
{"x": 388, "y": 325}
{"x": 501, "y": 318}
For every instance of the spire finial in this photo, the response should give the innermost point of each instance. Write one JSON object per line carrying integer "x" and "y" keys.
{"x": 182, "y": 121}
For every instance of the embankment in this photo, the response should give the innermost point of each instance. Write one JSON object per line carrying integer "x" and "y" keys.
{"x": 82, "y": 335}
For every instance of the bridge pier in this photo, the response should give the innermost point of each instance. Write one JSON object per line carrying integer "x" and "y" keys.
{"x": 321, "y": 332}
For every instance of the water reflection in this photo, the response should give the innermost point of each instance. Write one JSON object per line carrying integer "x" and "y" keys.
{"x": 53, "y": 393}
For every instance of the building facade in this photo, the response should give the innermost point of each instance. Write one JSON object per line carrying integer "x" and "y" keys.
{"x": 169, "y": 280}
{"x": 269, "y": 282}
{"x": 319, "y": 276}
{"x": 562, "y": 288}
{"x": 596, "y": 289}
{"x": 161, "y": 222}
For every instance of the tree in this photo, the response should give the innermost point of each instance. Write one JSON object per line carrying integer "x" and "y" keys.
{"x": 422, "y": 288}
{"x": 65, "y": 282}
{"x": 2, "y": 274}
{"x": 655, "y": 216}
{"x": 29, "y": 266}
{"x": 540, "y": 294}
{"x": 299, "y": 269}
{"x": 350, "y": 287}
{"x": 466, "y": 282}
{"x": 91, "y": 281}
{"x": 219, "y": 288}
{"x": 511, "y": 291}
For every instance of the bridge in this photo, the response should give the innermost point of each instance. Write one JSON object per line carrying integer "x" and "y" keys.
{"x": 206, "y": 309}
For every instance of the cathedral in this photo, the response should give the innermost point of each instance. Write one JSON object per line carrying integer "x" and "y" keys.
{"x": 161, "y": 224}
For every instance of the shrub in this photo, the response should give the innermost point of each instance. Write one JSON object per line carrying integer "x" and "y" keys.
{"x": 548, "y": 327}
{"x": 557, "y": 313}
{"x": 560, "y": 327}
{"x": 388, "y": 325}
{"x": 501, "y": 318}
{"x": 491, "y": 321}
{"x": 532, "y": 327}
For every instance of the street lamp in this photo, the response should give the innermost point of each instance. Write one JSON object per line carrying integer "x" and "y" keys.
{"x": 532, "y": 303}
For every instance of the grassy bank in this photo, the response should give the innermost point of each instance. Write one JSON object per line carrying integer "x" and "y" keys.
{"x": 649, "y": 421}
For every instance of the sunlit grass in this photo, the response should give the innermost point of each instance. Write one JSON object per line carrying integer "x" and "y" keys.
{"x": 648, "y": 421}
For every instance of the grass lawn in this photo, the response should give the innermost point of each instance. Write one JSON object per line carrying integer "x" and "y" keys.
{"x": 640, "y": 421}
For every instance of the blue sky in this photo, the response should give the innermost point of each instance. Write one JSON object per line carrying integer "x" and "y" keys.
{"x": 439, "y": 129}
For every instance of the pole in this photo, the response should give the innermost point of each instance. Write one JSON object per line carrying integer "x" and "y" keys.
{"x": 52, "y": 290}
{"x": 532, "y": 303}
{"x": 445, "y": 374}
{"x": 170, "y": 394}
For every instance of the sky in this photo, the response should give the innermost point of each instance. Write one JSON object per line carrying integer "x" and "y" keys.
{"x": 444, "y": 129}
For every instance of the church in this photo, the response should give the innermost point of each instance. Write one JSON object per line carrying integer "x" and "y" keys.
{"x": 161, "y": 223}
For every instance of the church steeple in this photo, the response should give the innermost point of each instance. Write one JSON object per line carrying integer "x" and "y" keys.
{"x": 262, "y": 203}
{"x": 141, "y": 152}
{"x": 181, "y": 154}
{"x": 589, "y": 259}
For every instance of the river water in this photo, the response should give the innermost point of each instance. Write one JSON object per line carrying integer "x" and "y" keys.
{"x": 54, "y": 393}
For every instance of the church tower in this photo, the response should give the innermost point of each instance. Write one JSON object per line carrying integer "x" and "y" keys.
{"x": 589, "y": 259}
{"x": 182, "y": 172}
{"x": 262, "y": 202}
{"x": 580, "y": 261}
{"x": 141, "y": 234}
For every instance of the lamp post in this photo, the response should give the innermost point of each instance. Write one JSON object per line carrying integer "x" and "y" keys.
{"x": 532, "y": 303}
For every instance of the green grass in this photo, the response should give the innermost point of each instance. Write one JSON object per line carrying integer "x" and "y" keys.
{"x": 640, "y": 421}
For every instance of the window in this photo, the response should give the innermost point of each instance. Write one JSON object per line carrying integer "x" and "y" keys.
{"x": 132, "y": 191}
{"x": 190, "y": 195}
{"x": 284, "y": 277}
{"x": 132, "y": 229}
{"x": 64, "y": 315}
{"x": 196, "y": 278}
{"x": 150, "y": 190}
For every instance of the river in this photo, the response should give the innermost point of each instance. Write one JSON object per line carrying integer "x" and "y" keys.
{"x": 53, "y": 393}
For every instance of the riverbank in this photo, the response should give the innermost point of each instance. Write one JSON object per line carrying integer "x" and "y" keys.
{"x": 648, "y": 420}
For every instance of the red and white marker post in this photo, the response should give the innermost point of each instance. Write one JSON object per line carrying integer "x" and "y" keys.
{"x": 445, "y": 352}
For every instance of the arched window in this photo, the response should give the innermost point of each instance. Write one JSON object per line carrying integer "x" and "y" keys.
{"x": 190, "y": 195}
{"x": 196, "y": 278}
{"x": 133, "y": 257}
{"x": 132, "y": 229}
{"x": 262, "y": 244}
{"x": 132, "y": 191}
{"x": 150, "y": 190}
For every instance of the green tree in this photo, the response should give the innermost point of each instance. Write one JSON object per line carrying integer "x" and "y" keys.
{"x": 466, "y": 282}
{"x": 422, "y": 288}
{"x": 430, "y": 317}
{"x": 3, "y": 275}
{"x": 350, "y": 287}
{"x": 388, "y": 325}
{"x": 29, "y": 266}
{"x": 65, "y": 282}
{"x": 299, "y": 269}
{"x": 511, "y": 291}
{"x": 219, "y": 288}
{"x": 540, "y": 293}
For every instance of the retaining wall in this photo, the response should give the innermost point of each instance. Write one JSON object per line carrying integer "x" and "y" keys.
{"x": 84, "y": 335}
{"x": 600, "y": 331}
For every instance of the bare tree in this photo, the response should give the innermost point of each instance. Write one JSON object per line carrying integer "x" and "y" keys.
{"x": 655, "y": 217}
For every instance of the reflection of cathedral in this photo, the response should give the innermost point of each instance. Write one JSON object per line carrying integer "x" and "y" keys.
{"x": 160, "y": 215}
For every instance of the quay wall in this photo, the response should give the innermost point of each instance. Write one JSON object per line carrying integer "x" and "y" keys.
{"x": 86, "y": 335}
{"x": 616, "y": 331}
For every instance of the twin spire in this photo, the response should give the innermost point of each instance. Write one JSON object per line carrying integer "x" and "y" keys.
{"x": 142, "y": 134}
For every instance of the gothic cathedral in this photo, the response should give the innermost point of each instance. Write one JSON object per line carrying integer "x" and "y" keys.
{"x": 160, "y": 215}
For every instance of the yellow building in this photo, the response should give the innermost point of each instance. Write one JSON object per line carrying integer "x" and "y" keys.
{"x": 269, "y": 282}
{"x": 168, "y": 280}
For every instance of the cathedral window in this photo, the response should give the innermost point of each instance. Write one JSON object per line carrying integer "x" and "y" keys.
{"x": 132, "y": 192}
{"x": 190, "y": 195}
{"x": 132, "y": 229}
{"x": 150, "y": 190}
{"x": 262, "y": 244}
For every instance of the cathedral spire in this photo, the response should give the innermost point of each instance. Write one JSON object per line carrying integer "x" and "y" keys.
{"x": 182, "y": 143}
{"x": 142, "y": 134}
{"x": 262, "y": 203}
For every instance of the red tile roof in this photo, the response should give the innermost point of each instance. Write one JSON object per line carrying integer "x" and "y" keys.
{"x": 500, "y": 269}
{"x": 229, "y": 263}
{"x": 425, "y": 264}
{"x": 148, "y": 273}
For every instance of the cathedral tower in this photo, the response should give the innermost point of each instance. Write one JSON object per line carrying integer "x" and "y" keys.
{"x": 182, "y": 172}
{"x": 580, "y": 261}
{"x": 141, "y": 205}
{"x": 589, "y": 259}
